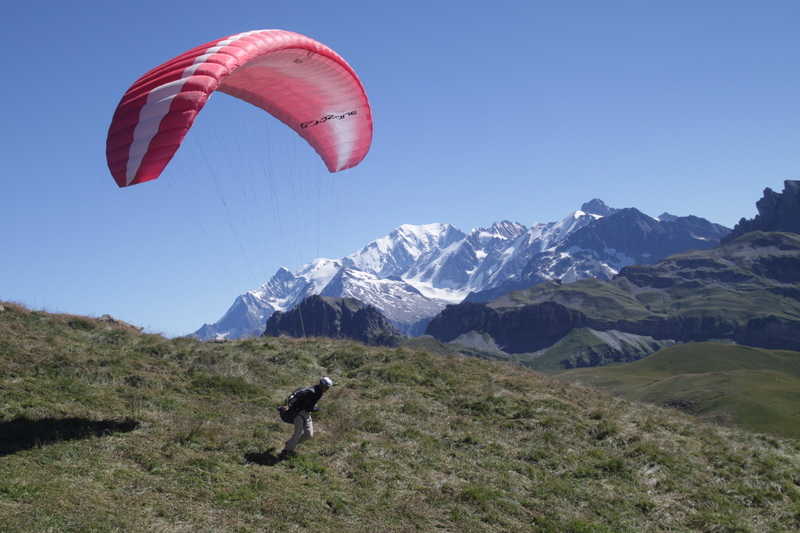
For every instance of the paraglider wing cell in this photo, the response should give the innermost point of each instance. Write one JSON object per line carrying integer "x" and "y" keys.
{"x": 301, "y": 82}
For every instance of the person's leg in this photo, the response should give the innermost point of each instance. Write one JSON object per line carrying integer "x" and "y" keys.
{"x": 308, "y": 428}
{"x": 297, "y": 436}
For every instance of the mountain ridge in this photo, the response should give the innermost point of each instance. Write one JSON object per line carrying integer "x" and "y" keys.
{"x": 747, "y": 290}
{"x": 412, "y": 273}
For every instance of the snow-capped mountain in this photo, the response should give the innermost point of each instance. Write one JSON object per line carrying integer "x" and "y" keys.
{"x": 394, "y": 254}
{"x": 250, "y": 311}
{"x": 403, "y": 305}
{"x": 412, "y": 273}
{"x": 629, "y": 237}
{"x": 602, "y": 247}
{"x": 450, "y": 273}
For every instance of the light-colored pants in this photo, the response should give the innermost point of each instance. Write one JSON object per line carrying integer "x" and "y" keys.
{"x": 303, "y": 430}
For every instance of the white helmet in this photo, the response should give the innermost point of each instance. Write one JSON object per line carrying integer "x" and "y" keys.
{"x": 326, "y": 382}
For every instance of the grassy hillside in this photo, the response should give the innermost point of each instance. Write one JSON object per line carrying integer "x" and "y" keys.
{"x": 755, "y": 388}
{"x": 593, "y": 297}
{"x": 588, "y": 347}
{"x": 107, "y": 429}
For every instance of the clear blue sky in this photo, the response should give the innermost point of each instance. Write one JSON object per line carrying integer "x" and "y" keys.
{"x": 483, "y": 111}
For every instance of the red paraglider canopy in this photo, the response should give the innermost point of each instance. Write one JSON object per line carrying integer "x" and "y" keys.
{"x": 303, "y": 83}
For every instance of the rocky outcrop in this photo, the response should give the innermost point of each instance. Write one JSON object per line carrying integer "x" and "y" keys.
{"x": 524, "y": 329}
{"x": 776, "y": 212}
{"x": 323, "y": 316}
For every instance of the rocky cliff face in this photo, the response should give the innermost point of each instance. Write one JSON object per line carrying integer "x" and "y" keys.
{"x": 776, "y": 212}
{"x": 323, "y": 316}
{"x": 524, "y": 329}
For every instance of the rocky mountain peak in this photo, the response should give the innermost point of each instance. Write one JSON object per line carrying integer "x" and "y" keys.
{"x": 776, "y": 212}
{"x": 425, "y": 236}
{"x": 395, "y": 253}
{"x": 504, "y": 229}
{"x": 283, "y": 274}
{"x": 597, "y": 207}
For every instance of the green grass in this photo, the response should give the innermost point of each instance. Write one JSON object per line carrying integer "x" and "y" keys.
{"x": 115, "y": 430}
{"x": 595, "y": 298}
{"x": 550, "y": 359}
{"x": 587, "y": 347}
{"x": 431, "y": 345}
{"x": 754, "y": 388}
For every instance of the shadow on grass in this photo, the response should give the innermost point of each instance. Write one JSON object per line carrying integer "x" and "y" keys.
{"x": 267, "y": 458}
{"x": 23, "y": 434}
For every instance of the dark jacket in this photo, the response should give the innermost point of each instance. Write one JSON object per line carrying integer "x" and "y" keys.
{"x": 306, "y": 399}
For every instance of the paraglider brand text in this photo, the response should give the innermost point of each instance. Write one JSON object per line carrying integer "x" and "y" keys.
{"x": 326, "y": 118}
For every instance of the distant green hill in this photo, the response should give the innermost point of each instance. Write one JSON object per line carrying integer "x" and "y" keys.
{"x": 104, "y": 428}
{"x": 580, "y": 347}
{"x": 754, "y": 388}
{"x": 586, "y": 347}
